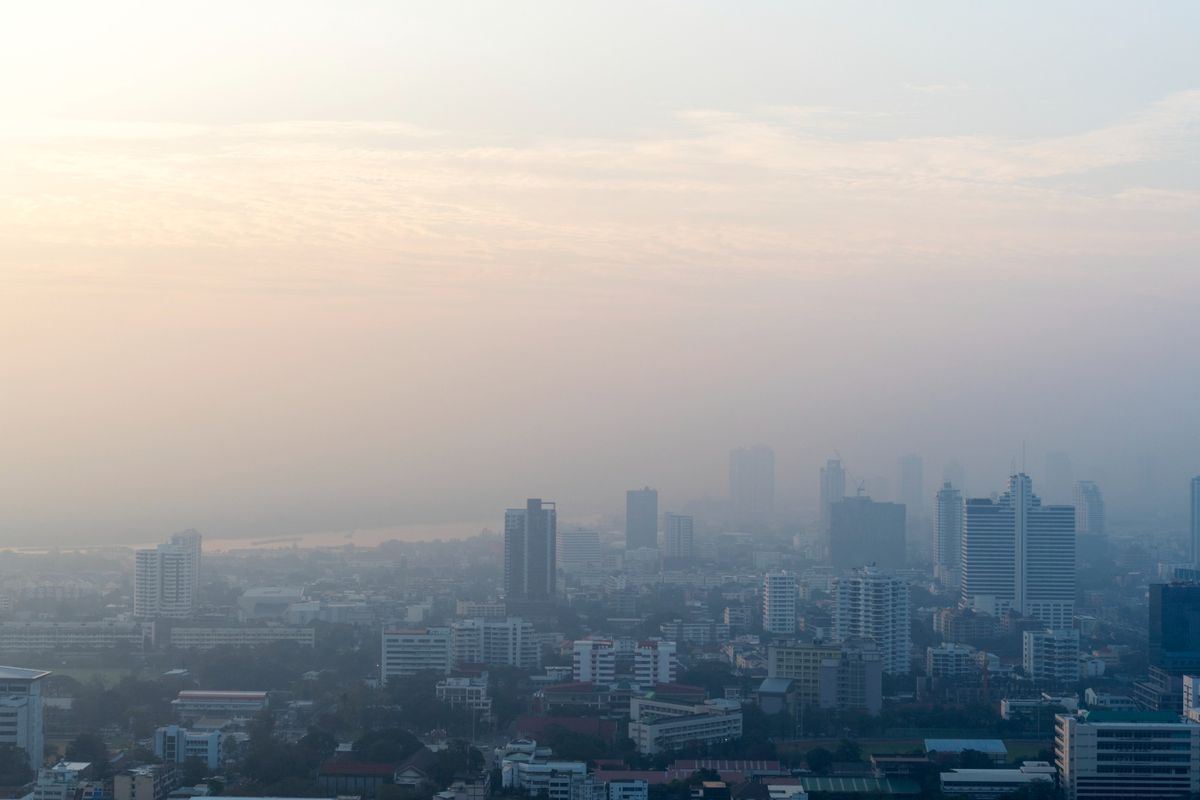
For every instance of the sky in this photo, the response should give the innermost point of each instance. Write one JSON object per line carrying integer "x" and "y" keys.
{"x": 277, "y": 267}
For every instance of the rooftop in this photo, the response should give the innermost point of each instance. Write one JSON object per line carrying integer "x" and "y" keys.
{"x": 21, "y": 674}
{"x": 959, "y": 745}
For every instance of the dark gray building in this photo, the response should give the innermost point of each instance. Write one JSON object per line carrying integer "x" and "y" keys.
{"x": 862, "y": 532}
{"x": 530, "y": 560}
{"x": 641, "y": 518}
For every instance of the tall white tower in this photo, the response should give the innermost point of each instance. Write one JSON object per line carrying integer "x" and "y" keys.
{"x": 779, "y": 603}
{"x": 163, "y": 582}
{"x": 870, "y": 604}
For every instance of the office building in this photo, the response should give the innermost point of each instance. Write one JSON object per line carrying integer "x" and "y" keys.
{"x": 1122, "y": 755}
{"x": 193, "y": 542}
{"x": 951, "y": 660}
{"x": 1089, "y": 509}
{"x": 1195, "y": 521}
{"x": 833, "y": 489}
{"x": 657, "y": 726}
{"x": 751, "y": 486}
{"x": 863, "y": 531}
{"x": 779, "y": 603}
{"x": 655, "y": 661}
{"x": 1019, "y": 555}
{"x": 203, "y": 637}
{"x": 467, "y": 692}
{"x": 910, "y": 484}
{"x": 594, "y": 661}
{"x": 641, "y": 519}
{"x": 845, "y": 675}
{"x": 579, "y": 551}
{"x": 21, "y": 709}
{"x": 407, "y": 652}
{"x": 508, "y": 642}
{"x": 151, "y": 782}
{"x": 175, "y": 745}
{"x": 530, "y": 558}
{"x": 1174, "y": 629}
{"x": 678, "y": 537}
{"x": 164, "y": 581}
{"x": 1051, "y": 657}
{"x": 870, "y": 604}
{"x": 947, "y": 536}
{"x": 194, "y": 704}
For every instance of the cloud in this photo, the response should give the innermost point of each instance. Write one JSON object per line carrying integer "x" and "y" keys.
{"x": 778, "y": 189}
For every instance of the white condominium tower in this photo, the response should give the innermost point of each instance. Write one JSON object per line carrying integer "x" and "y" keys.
{"x": 678, "y": 537}
{"x": 192, "y": 540}
{"x": 870, "y": 604}
{"x": 947, "y": 535}
{"x": 779, "y": 603}
{"x": 164, "y": 581}
{"x": 1019, "y": 555}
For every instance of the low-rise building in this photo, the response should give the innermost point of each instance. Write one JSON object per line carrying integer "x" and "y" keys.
{"x": 175, "y": 745}
{"x": 193, "y": 704}
{"x": 467, "y": 692}
{"x": 656, "y": 726}
{"x": 40, "y": 636}
{"x": 63, "y": 781}
{"x": 1127, "y": 754}
{"x": 1051, "y": 657}
{"x": 188, "y": 637}
{"x": 991, "y": 784}
{"x": 153, "y": 782}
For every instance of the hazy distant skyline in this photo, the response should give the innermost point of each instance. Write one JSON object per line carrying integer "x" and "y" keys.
{"x": 281, "y": 267}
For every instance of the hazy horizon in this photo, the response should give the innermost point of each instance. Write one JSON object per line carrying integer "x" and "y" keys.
{"x": 277, "y": 268}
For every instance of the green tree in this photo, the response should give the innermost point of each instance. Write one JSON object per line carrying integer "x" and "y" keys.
{"x": 14, "y": 766}
{"x": 819, "y": 760}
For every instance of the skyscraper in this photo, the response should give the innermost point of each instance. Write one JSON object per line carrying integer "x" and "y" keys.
{"x": 1019, "y": 555}
{"x": 779, "y": 603}
{"x": 678, "y": 537}
{"x": 192, "y": 540}
{"x": 530, "y": 538}
{"x": 871, "y": 604}
{"x": 1174, "y": 635}
{"x": 863, "y": 532}
{"x": 164, "y": 581}
{"x": 833, "y": 489}
{"x": 641, "y": 519}
{"x": 1196, "y": 521}
{"x": 1089, "y": 509}
{"x": 751, "y": 485}
{"x": 947, "y": 535}
{"x": 910, "y": 484}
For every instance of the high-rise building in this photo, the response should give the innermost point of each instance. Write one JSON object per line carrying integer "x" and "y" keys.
{"x": 641, "y": 519}
{"x": 655, "y": 661}
{"x": 947, "y": 535}
{"x": 594, "y": 661}
{"x": 752, "y": 485}
{"x": 779, "y": 603}
{"x": 530, "y": 545}
{"x": 1051, "y": 657}
{"x": 193, "y": 541}
{"x": 21, "y": 709}
{"x": 409, "y": 651}
{"x": 833, "y": 489}
{"x": 1089, "y": 509}
{"x": 870, "y": 604}
{"x": 863, "y": 531}
{"x": 1195, "y": 520}
{"x": 910, "y": 484}
{"x": 508, "y": 642}
{"x": 1122, "y": 755}
{"x": 1019, "y": 555}
{"x": 579, "y": 551}
{"x": 679, "y": 537}
{"x": 164, "y": 581}
{"x": 1174, "y": 629}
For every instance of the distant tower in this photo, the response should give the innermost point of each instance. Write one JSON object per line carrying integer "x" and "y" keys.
{"x": 164, "y": 581}
{"x": 530, "y": 557}
{"x": 910, "y": 484}
{"x": 779, "y": 603}
{"x": 1089, "y": 509}
{"x": 833, "y": 488}
{"x": 862, "y": 532}
{"x": 1018, "y": 554}
{"x": 752, "y": 486}
{"x": 192, "y": 540}
{"x": 871, "y": 604}
{"x": 1196, "y": 521}
{"x": 947, "y": 535}
{"x": 641, "y": 519}
{"x": 679, "y": 537}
